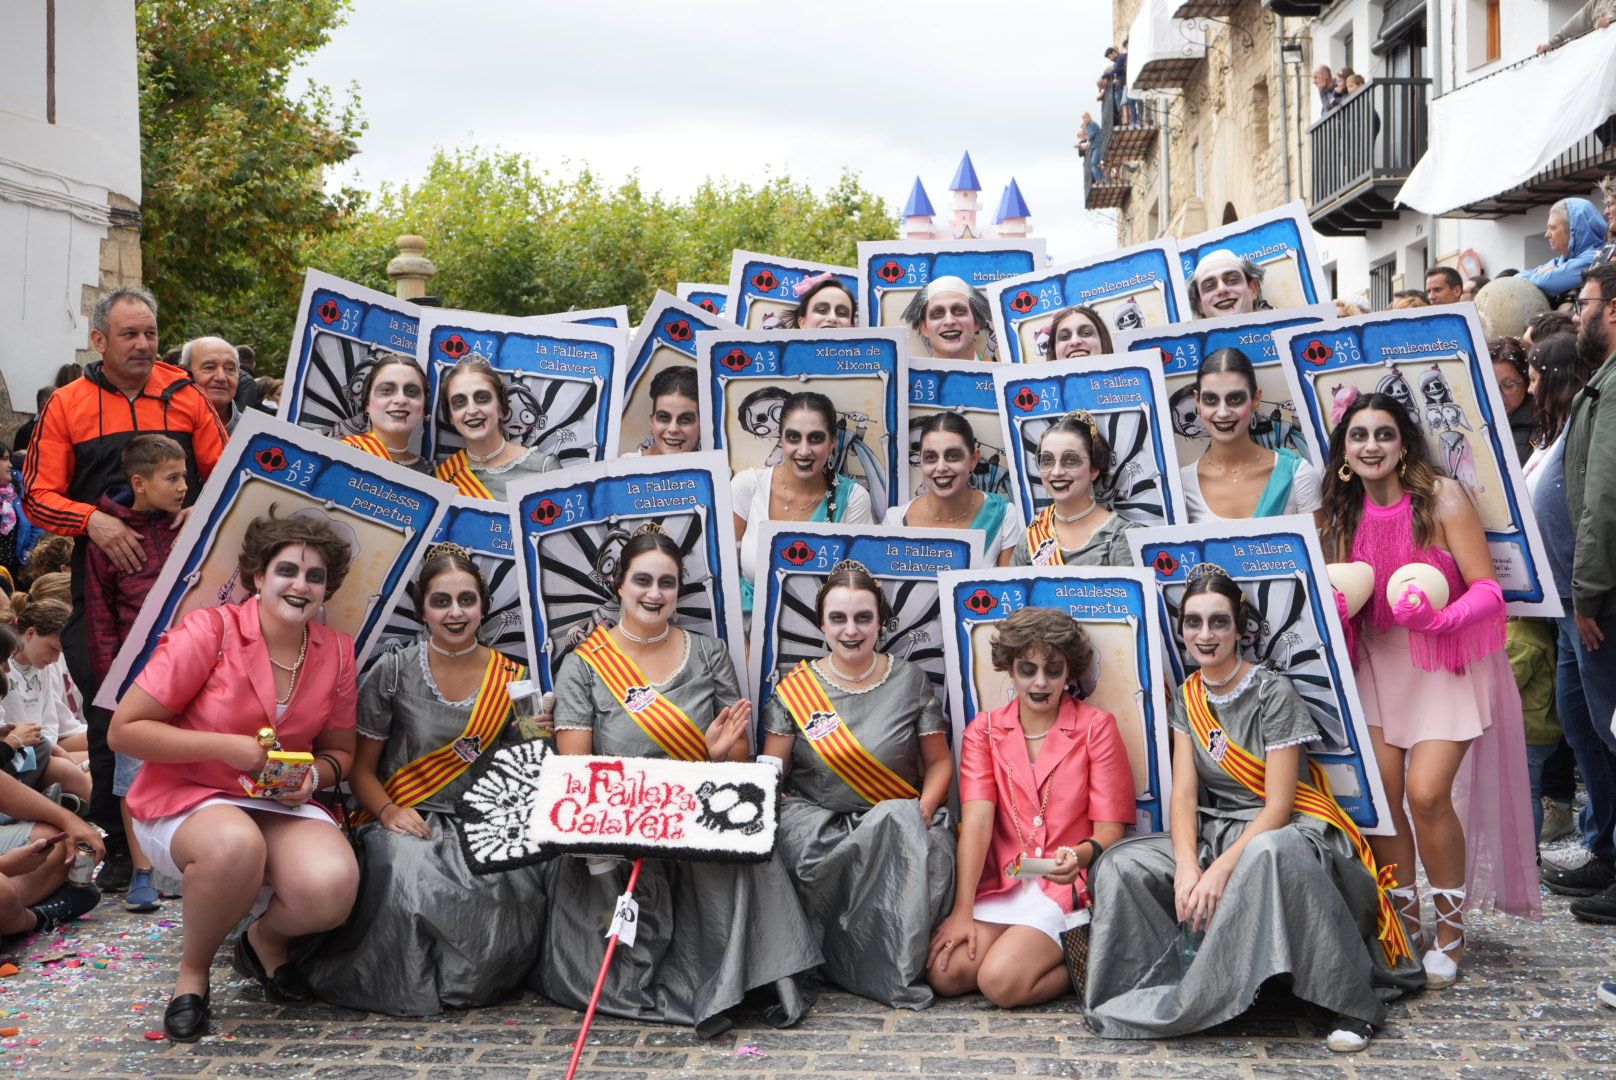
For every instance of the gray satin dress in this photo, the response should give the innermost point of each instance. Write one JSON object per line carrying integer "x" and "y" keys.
{"x": 497, "y": 480}
{"x": 708, "y": 932}
{"x": 409, "y": 948}
{"x": 1107, "y": 546}
{"x": 1299, "y": 902}
{"x": 873, "y": 880}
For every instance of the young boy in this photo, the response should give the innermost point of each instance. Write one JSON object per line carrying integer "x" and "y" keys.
{"x": 155, "y": 468}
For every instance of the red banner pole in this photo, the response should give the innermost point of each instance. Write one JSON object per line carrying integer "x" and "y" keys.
{"x": 600, "y": 981}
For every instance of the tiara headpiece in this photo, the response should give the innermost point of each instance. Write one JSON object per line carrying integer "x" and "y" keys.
{"x": 447, "y": 548}
{"x": 1205, "y": 570}
{"x": 649, "y": 527}
{"x": 850, "y": 564}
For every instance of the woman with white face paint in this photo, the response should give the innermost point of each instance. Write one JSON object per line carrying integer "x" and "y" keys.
{"x": 225, "y": 686}
{"x": 1235, "y": 477}
{"x": 948, "y": 314}
{"x": 801, "y": 488}
{"x": 475, "y": 401}
{"x": 863, "y": 743}
{"x": 1077, "y": 331}
{"x": 393, "y": 396}
{"x": 675, "y": 413}
{"x": 823, "y": 302}
{"x": 1261, "y": 873}
{"x": 427, "y": 713}
{"x": 1438, "y": 693}
{"x": 1045, "y": 776}
{"x": 948, "y": 459}
{"x": 1075, "y": 529}
{"x": 713, "y": 932}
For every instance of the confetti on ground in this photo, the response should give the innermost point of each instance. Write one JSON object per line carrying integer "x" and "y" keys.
{"x": 749, "y": 1051}
{"x": 6, "y": 1033}
{"x": 7, "y": 970}
{"x": 154, "y": 1036}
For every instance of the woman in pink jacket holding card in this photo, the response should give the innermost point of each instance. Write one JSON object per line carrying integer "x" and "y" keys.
{"x": 1045, "y": 777}
{"x": 226, "y": 688}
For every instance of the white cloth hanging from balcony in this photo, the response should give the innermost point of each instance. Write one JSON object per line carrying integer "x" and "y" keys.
{"x": 1500, "y": 131}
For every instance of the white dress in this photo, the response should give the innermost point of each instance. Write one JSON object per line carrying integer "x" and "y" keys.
{"x": 1002, "y": 539}
{"x": 1306, "y": 492}
{"x": 749, "y": 495}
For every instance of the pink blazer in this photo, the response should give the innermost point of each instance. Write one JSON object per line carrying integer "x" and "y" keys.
{"x": 1092, "y": 781}
{"x": 211, "y": 669}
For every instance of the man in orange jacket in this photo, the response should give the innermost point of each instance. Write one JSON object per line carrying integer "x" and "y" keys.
{"x": 76, "y": 456}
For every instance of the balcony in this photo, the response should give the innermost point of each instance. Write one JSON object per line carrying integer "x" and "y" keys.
{"x": 1306, "y": 9}
{"x": 1107, "y": 193}
{"x": 1207, "y": 9}
{"x": 1135, "y": 141}
{"x": 1589, "y": 160}
{"x": 1362, "y": 151}
{"x": 1164, "y": 50}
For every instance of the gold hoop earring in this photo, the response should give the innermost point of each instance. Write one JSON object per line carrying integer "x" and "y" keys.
{"x": 1344, "y": 472}
{"x": 1402, "y": 463}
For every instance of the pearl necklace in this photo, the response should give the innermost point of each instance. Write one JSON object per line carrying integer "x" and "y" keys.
{"x": 294, "y": 668}
{"x": 1221, "y": 683}
{"x": 503, "y": 443}
{"x": 846, "y": 678}
{"x": 1079, "y": 516}
{"x": 652, "y": 640}
{"x": 403, "y": 457}
{"x": 441, "y": 651}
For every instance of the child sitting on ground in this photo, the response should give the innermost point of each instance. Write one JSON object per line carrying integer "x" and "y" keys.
{"x": 37, "y": 705}
{"x": 155, "y": 468}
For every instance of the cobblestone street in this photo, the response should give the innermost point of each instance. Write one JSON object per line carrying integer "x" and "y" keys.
{"x": 1525, "y": 1007}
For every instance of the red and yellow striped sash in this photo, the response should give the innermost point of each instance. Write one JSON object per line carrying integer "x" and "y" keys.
{"x": 835, "y": 742}
{"x": 1043, "y": 545}
{"x": 456, "y": 469}
{"x": 431, "y": 773}
{"x": 369, "y": 443}
{"x": 1313, "y": 798}
{"x": 661, "y": 719}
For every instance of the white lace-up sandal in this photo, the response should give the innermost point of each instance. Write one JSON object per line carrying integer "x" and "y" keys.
{"x": 1406, "y": 898}
{"x": 1441, "y": 963}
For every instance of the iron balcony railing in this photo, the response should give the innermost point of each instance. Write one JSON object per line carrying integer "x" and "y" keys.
{"x": 1372, "y": 138}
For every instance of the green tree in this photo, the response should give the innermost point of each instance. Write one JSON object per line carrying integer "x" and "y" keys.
{"x": 513, "y": 239}
{"x": 233, "y": 166}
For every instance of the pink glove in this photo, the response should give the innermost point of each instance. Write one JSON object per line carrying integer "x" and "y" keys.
{"x": 1348, "y": 627}
{"x": 1483, "y": 600}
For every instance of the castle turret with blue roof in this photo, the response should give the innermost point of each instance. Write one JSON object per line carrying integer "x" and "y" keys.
{"x": 920, "y": 217}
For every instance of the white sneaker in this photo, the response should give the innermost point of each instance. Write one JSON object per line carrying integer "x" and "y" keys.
{"x": 1350, "y": 1036}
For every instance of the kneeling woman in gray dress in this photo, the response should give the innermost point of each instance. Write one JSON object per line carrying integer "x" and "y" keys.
{"x": 1261, "y": 861}
{"x": 860, "y": 830}
{"x": 708, "y": 932}
{"x": 425, "y": 714}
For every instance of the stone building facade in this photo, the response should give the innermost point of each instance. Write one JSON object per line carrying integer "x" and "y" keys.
{"x": 1231, "y": 126}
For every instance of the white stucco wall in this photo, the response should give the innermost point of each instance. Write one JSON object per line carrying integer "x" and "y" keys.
{"x": 55, "y": 178}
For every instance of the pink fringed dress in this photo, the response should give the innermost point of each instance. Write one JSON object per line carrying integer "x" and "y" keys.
{"x": 1456, "y": 687}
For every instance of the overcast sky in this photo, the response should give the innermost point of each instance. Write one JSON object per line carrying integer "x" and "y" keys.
{"x": 680, "y": 91}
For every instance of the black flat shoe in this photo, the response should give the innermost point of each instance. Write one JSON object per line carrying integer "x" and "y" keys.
{"x": 286, "y": 987}
{"x": 186, "y": 1018}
